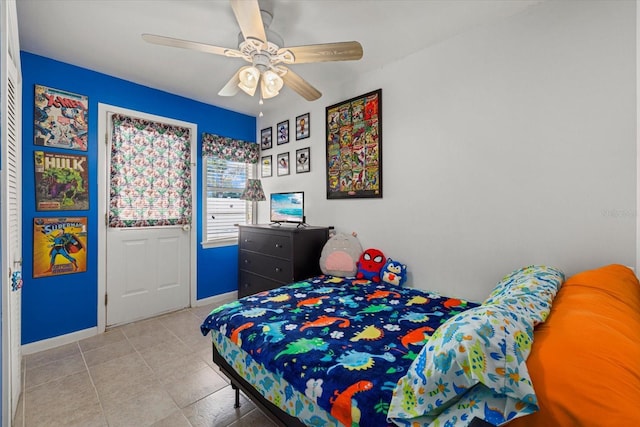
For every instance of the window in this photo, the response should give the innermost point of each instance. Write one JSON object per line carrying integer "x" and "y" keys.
{"x": 227, "y": 164}
{"x": 150, "y": 173}
{"x": 225, "y": 181}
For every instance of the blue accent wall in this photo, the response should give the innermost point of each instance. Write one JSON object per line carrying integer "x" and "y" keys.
{"x": 216, "y": 277}
{"x": 54, "y": 306}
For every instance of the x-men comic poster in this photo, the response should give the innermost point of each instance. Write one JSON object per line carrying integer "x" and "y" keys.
{"x": 59, "y": 246}
{"x": 60, "y": 119}
{"x": 61, "y": 181}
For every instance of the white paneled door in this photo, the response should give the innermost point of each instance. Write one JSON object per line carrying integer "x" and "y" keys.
{"x": 147, "y": 272}
{"x": 148, "y": 216}
{"x": 10, "y": 215}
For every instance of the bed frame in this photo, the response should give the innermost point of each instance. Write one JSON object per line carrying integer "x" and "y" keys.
{"x": 275, "y": 414}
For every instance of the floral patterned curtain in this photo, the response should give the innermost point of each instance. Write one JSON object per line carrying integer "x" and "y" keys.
{"x": 150, "y": 177}
{"x": 230, "y": 149}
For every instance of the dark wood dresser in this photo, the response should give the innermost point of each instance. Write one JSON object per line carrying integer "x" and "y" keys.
{"x": 272, "y": 256}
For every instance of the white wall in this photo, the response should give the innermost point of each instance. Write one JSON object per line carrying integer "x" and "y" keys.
{"x": 506, "y": 146}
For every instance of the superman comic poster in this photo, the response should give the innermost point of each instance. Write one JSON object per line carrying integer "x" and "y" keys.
{"x": 60, "y": 119}
{"x": 59, "y": 246}
{"x": 61, "y": 181}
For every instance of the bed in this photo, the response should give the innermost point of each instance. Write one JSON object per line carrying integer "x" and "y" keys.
{"x": 585, "y": 360}
{"x": 339, "y": 351}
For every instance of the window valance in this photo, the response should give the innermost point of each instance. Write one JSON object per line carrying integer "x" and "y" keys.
{"x": 230, "y": 149}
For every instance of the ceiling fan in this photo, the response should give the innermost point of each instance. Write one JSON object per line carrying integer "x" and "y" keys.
{"x": 264, "y": 49}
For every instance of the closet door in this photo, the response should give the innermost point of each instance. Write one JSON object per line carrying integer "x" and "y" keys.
{"x": 10, "y": 208}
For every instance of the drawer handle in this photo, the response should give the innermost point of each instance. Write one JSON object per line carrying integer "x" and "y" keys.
{"x": 278, "y": 245}
{"x": 246, "y": 285}
{"x": 246, "y": 261}
{"x": 278, "y": 269}
{"x": 247, "y": 240}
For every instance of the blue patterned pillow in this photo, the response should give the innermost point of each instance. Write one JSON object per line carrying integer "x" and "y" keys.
{"x": 486, "y": 347}
{"x": 528, "y": 280}
{"x": 529, "y": 290}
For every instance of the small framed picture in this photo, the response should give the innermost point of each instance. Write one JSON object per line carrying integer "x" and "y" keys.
{"x": 283, "y": 164}
{"x": 267, "y": 171}
{"x": 302, "y": 126}
{"x": 265, "y": 138}
{"x": 283, "y": 132}
{"x": 303, "y": 160}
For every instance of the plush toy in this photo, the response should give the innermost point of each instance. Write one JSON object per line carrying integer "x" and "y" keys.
{"x": 370, "y": 263}
{"x": 393, "y": 273}
{"x": 340, "y": 254}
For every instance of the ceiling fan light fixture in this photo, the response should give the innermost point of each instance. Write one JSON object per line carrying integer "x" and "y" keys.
{"x": 271, "y": 84}
{"x": 264, "y": 49}
{"x": 249, "y": 78}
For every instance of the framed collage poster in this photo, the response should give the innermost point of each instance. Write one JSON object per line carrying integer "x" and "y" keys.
{"x": 354, "y": 147}
{"x": 60, "y": 119}
{"x": 59, "y": 246}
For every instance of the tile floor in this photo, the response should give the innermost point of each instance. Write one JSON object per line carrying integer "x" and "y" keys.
{"x": 156, "y": 372}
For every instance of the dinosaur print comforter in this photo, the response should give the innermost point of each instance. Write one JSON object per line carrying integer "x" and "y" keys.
{"x": 342, "y": 343}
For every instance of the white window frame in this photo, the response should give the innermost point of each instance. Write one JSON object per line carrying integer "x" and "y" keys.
{"x": 250, "y": 210}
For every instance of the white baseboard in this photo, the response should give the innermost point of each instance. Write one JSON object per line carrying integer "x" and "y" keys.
{"x": 217, "y": 299}
{"x": 50, "y": 343}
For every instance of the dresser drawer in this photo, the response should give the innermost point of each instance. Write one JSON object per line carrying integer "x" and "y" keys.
{"x": 265, "y": 265}
{"x": 270, "y": 257}
{"x": 249, "y": 284}
{"x": 273, "y": 244}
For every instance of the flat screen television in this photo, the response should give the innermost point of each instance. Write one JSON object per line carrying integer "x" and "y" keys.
{"x": 287, "y": 207}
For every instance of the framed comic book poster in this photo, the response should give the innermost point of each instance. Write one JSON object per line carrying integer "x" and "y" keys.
{"x": 59, "y": 246}
{"x": 60, "y": 119}
{"x": 62, "y": 181}
{"x": 354, "y": 147}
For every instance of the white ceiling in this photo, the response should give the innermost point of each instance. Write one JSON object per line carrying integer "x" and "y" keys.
{"x": 104, "y": 36}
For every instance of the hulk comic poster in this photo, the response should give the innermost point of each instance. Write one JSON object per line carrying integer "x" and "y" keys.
{"x": 59, "y": 246}
{"x": 60, "y": 119}
{"x": 61, "y": 181}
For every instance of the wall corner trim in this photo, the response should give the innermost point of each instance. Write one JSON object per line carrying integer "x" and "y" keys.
{"x": 54, "y": 342}
{"x": 217, "y": 299}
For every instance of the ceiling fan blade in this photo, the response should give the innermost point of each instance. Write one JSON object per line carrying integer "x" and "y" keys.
{"x": 249, "y": 19}
{"x": 341, "y": 51}
{"x": 187, "y": 44}
{"x": 300, "y": 85}
{"x": 231, "y": 88}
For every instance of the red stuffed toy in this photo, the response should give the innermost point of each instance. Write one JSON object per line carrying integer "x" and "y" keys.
{"x": 370, "y": 263}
